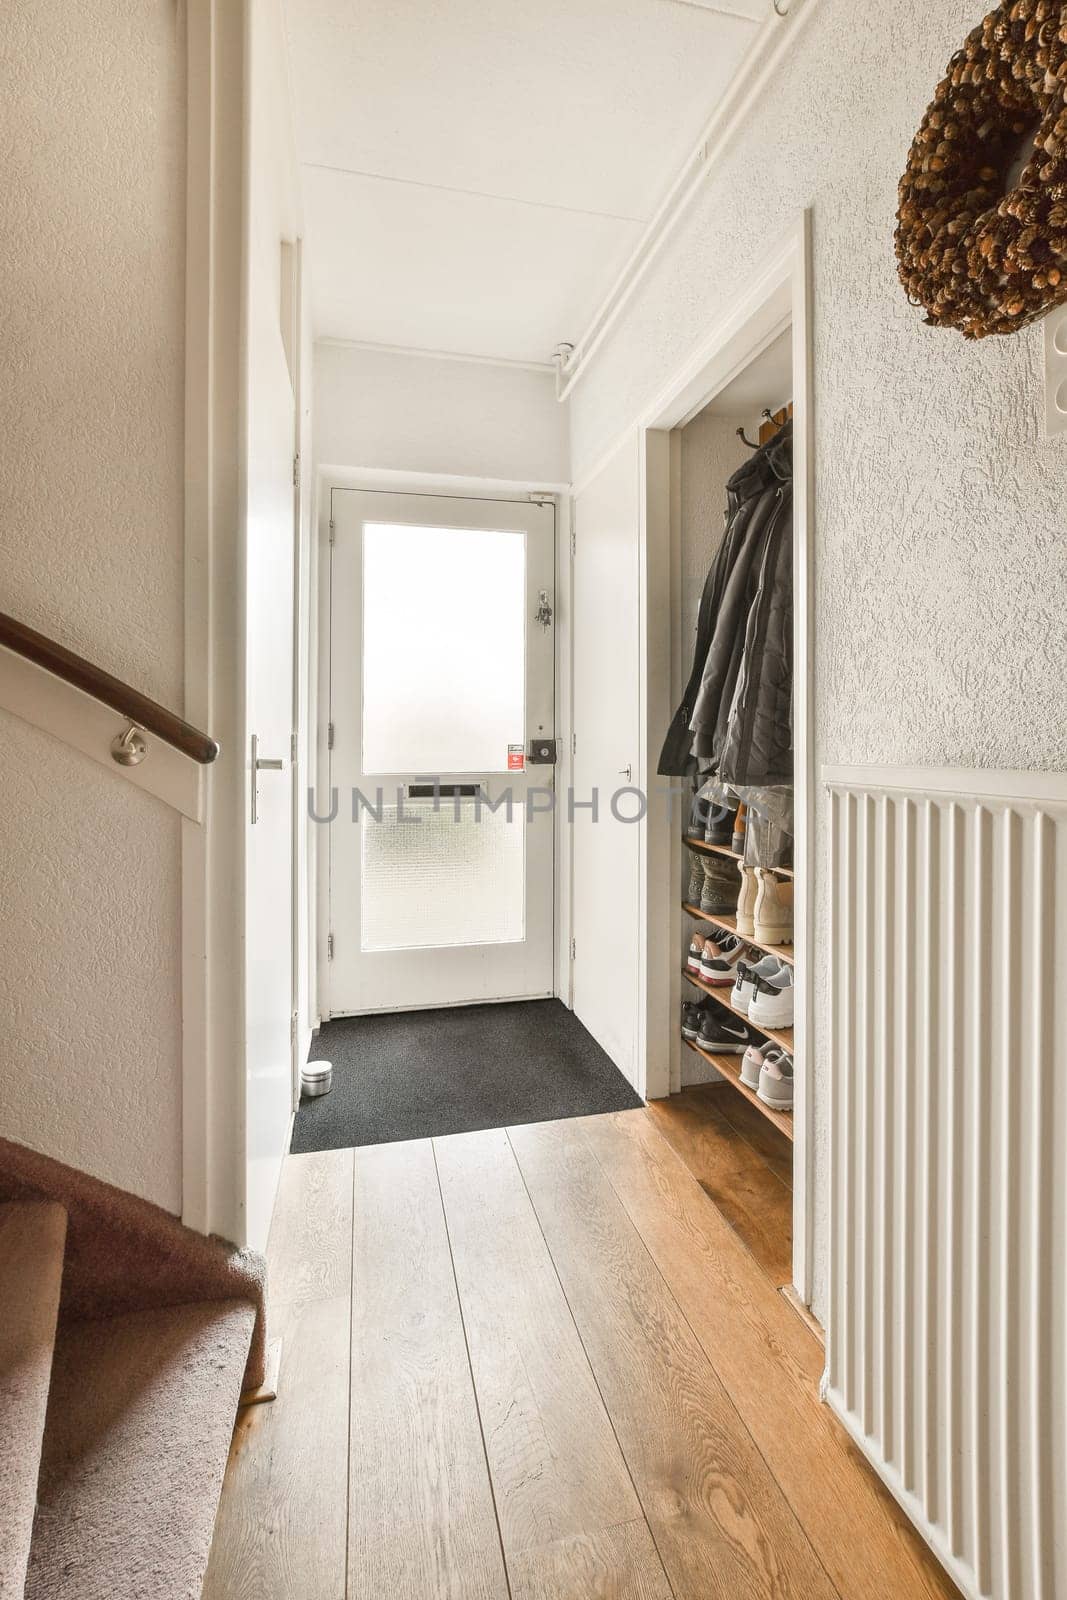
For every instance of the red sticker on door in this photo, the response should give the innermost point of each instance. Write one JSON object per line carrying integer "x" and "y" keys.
{"x": 516, "y": 758}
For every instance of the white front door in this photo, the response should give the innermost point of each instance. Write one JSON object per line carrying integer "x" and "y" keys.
{"x": 606, "y": 850}
{"x": 268, "y": 910}
{"x": 442, "y": 709}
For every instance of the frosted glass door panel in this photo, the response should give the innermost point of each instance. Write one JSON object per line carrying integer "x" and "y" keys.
{"x": 438, "y": 669}
{"x": 451, "y": 876}
{"x": 444, "y": 648}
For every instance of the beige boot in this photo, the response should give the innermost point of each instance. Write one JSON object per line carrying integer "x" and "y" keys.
{"x": 773, "y": 911}
{"x": 746, "y": 903}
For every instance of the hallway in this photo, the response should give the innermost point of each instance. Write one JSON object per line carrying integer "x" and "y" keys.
{"x": 562, "y": 1374}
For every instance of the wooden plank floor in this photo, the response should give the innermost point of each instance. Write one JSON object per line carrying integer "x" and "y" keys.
{"x": 541, "y": 1364}
{"x": 742, "y": 1162}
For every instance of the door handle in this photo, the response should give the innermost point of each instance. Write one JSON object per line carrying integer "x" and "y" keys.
{"x": 626, "y": 772}
{"x": 261, "y": 764}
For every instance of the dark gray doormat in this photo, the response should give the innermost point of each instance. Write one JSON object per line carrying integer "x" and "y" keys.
{"x": 417, "y": 1074}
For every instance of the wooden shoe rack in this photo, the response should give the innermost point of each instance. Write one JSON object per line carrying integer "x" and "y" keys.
{"x": 729, "y": 1066}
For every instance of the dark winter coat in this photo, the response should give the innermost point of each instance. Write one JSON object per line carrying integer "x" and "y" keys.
{"x": 758, "y": 743}
{"x": 743, "y": 494}
{"x": 735, "y": 717}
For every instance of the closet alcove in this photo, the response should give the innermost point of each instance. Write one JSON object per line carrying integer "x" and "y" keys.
{"x": 739, "y": 1142}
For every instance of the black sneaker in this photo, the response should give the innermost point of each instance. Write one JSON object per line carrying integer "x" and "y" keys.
{"x": 724, "y": 1034}
{"x": 693, "y": 1012}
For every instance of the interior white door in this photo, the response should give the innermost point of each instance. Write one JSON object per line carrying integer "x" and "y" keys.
{"x": 269, "y": 999}
{"x": 605, "y": 849}
{"x": 442, "y": 700}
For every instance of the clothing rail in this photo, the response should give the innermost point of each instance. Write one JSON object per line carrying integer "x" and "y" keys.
{"x": 143, "y": 713}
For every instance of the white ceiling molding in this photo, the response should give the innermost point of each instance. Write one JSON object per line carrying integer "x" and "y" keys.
{"x": 776, "y": 37}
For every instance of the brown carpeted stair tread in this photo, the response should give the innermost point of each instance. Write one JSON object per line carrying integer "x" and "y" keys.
{"x": 123, "y": 1254}
{"x": 140, "y": 1416}
{"x": 31, "y": 1271}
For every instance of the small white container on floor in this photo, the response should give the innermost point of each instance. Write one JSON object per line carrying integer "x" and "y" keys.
{"x": 316, "y": 1078}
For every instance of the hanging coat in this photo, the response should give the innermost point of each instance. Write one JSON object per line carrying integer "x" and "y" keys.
{"x": 758, "y": 743}
{"x": 743, "y": 494}
{"x": 759, "y": 520}
{"x": 752, "y": 742}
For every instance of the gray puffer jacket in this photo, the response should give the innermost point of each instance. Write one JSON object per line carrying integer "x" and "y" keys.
{"x": 742, "y": 717}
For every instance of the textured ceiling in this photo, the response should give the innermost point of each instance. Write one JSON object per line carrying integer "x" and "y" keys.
{"x": 475, "y": 175}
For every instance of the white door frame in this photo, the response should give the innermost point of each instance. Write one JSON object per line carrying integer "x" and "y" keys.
{"x": 777, "y": 299}
{"x": 212, "y": 859}
{"x": 212, "y": 890}
{"x": 403, "y": 482}
{"x": 294, "y": 316}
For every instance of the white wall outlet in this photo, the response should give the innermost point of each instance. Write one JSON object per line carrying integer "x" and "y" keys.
{"x": 1056, "y": 372}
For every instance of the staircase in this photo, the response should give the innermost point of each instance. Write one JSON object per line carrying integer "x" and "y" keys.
{"x": 125, "y": 1343}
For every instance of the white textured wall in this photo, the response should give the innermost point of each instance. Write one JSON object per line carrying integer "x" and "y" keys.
{"x": 92, "y": 126}
{"x": 941, "y": 540}
{"x": 416, "y": 414}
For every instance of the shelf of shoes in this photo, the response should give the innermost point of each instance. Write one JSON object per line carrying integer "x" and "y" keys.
{"x": 721, "y": 995}
{"x": 730, "y": 1068}
{"x": 729, "y": 924}
{"x": 724, "y": 850}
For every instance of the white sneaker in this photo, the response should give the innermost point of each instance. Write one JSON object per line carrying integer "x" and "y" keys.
{"x": 745, "y": 982}
{"x": 719, "y": 963}
{"x": 771, "y": 1005}
{"x": 752, "y": 1065}
{"x": 776, "y": 1080}
{"x": 696, "y": 952}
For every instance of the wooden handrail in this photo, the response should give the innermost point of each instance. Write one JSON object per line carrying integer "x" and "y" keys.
{"x": 147, "y": 714}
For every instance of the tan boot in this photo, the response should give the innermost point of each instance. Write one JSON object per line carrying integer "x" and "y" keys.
{"x": 773, "y": 911}
{"x": 746, "y": 903}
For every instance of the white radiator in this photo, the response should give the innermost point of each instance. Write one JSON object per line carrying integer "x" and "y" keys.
{"x": 947, "y": 1334}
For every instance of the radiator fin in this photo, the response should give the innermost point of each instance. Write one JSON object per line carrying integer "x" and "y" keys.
{"x": 947, "y": 1328}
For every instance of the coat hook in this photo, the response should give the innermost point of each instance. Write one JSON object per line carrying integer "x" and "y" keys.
{"x": 741, "y": 435}
{"x": 768, "y": 416}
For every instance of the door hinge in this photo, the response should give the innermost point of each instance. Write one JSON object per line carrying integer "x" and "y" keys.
{"x": 333, "y": 526}
{"x": 292, "y": 748}
{"x": 329, "y": 736}
{"x": 329, "y": 947}
{"x": 574, "y": 744}
{"x": 296, "y": 472}
{"x": 292, "y": 1030}
{"x": 574, "y": 530}
{"x": 574, "y": 948}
